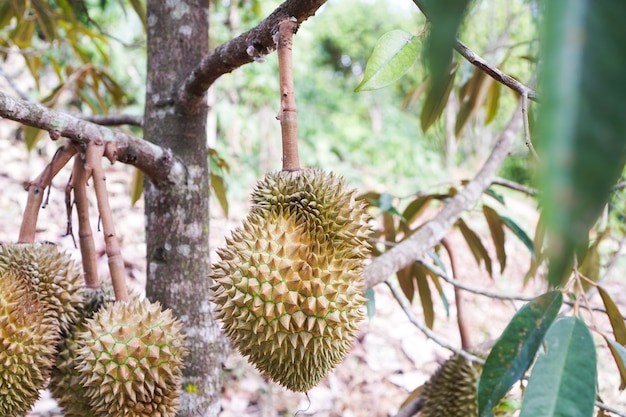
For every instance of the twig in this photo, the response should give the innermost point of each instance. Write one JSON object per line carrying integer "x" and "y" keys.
{"x": 156, "y": 162}
{"x": 619, "y": 186}
{"x": 112, "y": 119}
{"x": 93, "y": 168}
{"x": 85, "y": 233}
{"x": 515, "y": 186}
{"x": 248, "y": 47}
{"x": 460, "y": 310}
{"x": 406, "y": 307}
{"x": 287, "y": 115}
{"x": 431, "y": 233}
{"x": 610, "y": 409}
{"x": 36, "y": 189}
{"x": 527, "y": 139}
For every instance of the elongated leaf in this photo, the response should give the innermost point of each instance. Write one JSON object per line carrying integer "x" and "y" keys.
{"x": 563, "y": 381}
{"x": 590, "y": 265}
{"x": 370, "y": 304}
{"x": 32, "y": 136}
{"x": 496, "y": 227}
{"x": 515, "y": 350}
{"x": 492, "y": 102}
{"x": 425, "y": 296}
{"x": 615, "y": 317}
{"x": 139, "y": 8}
{"x": 217, "y": 184}
{"x": 619, "y": 355}
{"x": 476, "y": 246}
{"x": 394, "y": 53}
{"x": 406, "y": 279}
{"x": 520, "y": 233}
{"x": 136, "y": 188}
{"x": 476, "y": 95}
{"x": 436, "y": 100}
{"x": 389, "y": 227}
{"x": 581, "y": 124}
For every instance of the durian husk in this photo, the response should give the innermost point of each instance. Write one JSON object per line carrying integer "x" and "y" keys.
{"x": 55, "y": 277}
{"x": 452, "y": 390}
{"x": 289, "y": 283}
{"x": 130, "y": 360}
{"x": 27, "y": 339}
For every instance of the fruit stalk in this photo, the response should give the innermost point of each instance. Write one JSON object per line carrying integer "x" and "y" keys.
{"x": 93, "y": 167}
{"x": 287, "y": 115}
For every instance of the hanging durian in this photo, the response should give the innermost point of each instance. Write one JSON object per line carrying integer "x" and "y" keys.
{"x": 130, "y": 360}
{"x": 452, "y": 390}
{"x": 54, "y": 276}
{"x": 27, "y": 339}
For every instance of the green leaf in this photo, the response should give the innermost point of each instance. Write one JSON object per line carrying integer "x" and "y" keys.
{"x": 615, "y": 317}
{"x": 492, "y": 102}
{"x": 515, "y": 350}
{"x": 370, "y": 304}
{"x": 394, "y": 53}
{"x": 581, "y": 125}
{"x": 520, "y": 233}
{"x": 136, "y": 188}
{"x": 217, "y": 184}
{"x": 139, "y": 8}
{"x": 475, "y": 245}
{"x": 496, "y": 227}
{"x": 590, "y": 265}
{"x": 495, "y": 195}
{"x": 619, "y": 355}
{"x": 563, "y": 381}
{"x": 436, "y": 99}
{"x": 421, "y": 278}
{"x": 32, "y": 136}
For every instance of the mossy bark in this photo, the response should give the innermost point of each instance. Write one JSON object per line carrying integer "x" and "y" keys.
{"x": 177, "y": 214}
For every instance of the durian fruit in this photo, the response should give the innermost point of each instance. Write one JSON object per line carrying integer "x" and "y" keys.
{"x": 130, "y": 360}
{"x": 452, "y": 390}
{"x": 55, "y": 277}
{"x": 289, "y": 284}
{"x": 26, "y": 354}
{"x": 65, "y": 384}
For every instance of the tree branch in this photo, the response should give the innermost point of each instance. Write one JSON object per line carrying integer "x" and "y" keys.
{"x": 245, "y": 48}
{"x": 112, "y": 119}
{"x": 415, "y": 247}
{"x": 156, "y": 162}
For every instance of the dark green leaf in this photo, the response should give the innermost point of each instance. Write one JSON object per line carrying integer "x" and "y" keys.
{"x": 619, "y": 355}
{"x": 515, "y": 349}
{"x": 436, "y": 100}
{"x": 520, "y": 233}
{"x": 394, "y": 53}
{"x": 415, "y": 208}
{"x": 496, "y": 227}
{"x": 475, "y": 245}
{"x": 492, "y": 193}
{"x": 563, "y": 381}
{"x": 581, "y": 124}
{"x": 615, "y": 317}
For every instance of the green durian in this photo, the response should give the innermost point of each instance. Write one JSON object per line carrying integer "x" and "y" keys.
{"x": 130, "y": 360}
{"x": 27, "y": 340}
{"x": 289, "y": 284}
{"x": 54, "y": 276}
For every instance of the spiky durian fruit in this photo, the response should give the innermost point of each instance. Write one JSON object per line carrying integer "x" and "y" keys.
{"x": 289, "y": 283}
{"x": 65, "y": 384}
{"x": 452, "y": 390}
{"x": 130, "y": 360}
{"x": 26, "y": 345}
{"x": 53, "y": 274}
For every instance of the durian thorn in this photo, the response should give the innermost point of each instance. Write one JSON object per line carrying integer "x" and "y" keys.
{"x": 93, "y": 165}
{"x": 36, "y": 189}
{"x": 287, "y": 114}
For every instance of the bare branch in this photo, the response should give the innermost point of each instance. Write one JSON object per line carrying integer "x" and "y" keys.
{"x": 515, "y": 186}
{"x": 245, "y": 48}
{"x": 610, "y": 409}
{"x": 156, "y": 162}
{"x": 415, "y": 247}
{"x": 112, "y": 119}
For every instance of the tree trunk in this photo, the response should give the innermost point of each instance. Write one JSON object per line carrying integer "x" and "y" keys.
{"x": 177, "y": 216}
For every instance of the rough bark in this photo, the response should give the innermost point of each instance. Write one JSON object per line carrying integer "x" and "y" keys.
{"x": 177, "y": 216}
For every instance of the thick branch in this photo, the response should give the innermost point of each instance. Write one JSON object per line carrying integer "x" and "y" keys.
{"x": 431, "y": 233}
{"x": 156, "y": 162}
{"x": 245, "y": 48}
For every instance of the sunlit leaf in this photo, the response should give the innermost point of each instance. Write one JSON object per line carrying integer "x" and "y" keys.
{"x": 520, "y": 233}
{"x": 619, "y": 356}
{"x": 615, "y": 317}
{"x": 436, "y": 99}
{"x": 136, "y": 187}
{"x": 563, "y": 381}
{"x": 581, "y": 123}
{"x": 475, "y": 245}
{"x": 217, "y": 185}
{"x": 590, "y": 264}
{"x": 492, "y": 102}
{"x": 496, "y": 228}
{"x": 515, "y": 349}
{"x": 421, "y": 278}
{"x": 32, "y": 136}
{"x": 394, "y": 53}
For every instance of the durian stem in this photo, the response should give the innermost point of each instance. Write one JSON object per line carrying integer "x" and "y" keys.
{"x": 287, "y": 115}
{"x": 458, "y": 299}
{"x": 93, "y": 168}
{"x": 85, "y": 233}
{"x": 36, "y": 190}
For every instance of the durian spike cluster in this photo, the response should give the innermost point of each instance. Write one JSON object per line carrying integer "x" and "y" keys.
{"x": 289, "y": 284}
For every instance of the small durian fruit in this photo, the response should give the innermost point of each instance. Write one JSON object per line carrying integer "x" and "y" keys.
{"x": 289, "y": 284}
{"x": 130, "y": 360}
{"x": 452, "y": 390}
{"x": 27, "y": 341}
{"x": 65, "y": 384}
{"x": 55, "y": 277}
